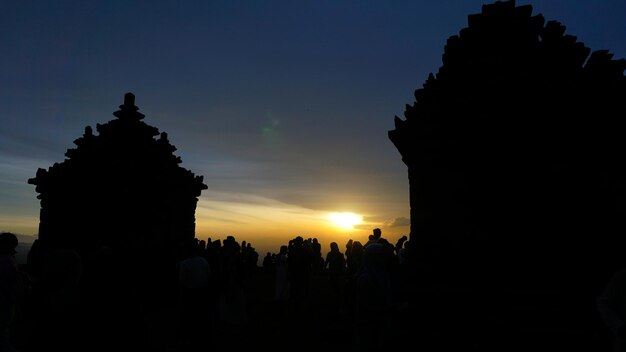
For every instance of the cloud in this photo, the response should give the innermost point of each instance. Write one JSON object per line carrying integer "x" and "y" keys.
{"x": 399, "y": 222}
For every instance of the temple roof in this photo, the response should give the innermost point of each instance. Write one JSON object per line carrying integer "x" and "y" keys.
{"x": 123, "y": 148}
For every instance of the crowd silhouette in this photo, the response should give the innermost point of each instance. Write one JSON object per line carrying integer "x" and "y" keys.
{"x": 93, "y": 303}
{"x": 361, "y": 299}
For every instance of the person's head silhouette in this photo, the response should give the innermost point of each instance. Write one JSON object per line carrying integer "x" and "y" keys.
{"x": 377, "y": 232}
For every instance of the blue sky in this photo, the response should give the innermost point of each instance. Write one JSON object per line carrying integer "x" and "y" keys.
{"x": 283, "y": 106}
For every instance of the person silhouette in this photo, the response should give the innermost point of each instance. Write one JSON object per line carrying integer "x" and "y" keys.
{"x": 194, "y": 281}
{"x": 373, "y": 289}
{"x": 8, "y": 288}
{"x": 281, "y": 281}
{"x": 318, "y": 262}
{"x": 58, "y": 292}
{"x": 354, "y": 259}
{"x": 232, "y": 300}
{"x": 299, "y": 264}
{"x": 374, "y": 237}
{"x": 336, "y": 264}
{"x": 611, "y": 305}
{"x": 268, "y": 262}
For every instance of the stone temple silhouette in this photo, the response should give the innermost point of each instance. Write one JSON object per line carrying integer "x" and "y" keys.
{"x": 515, "y": 151}
{"x": 122, "y": 189}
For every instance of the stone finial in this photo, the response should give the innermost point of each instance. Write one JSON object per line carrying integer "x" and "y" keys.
{"x": 129, "y": 100}
{"x": 128, "y": 110}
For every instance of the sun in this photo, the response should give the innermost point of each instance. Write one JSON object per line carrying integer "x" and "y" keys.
{"x": 345, "y": 220}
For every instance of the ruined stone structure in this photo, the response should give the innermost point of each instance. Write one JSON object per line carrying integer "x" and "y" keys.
{"x": 121, "y": 188}
{"x": 515, "y": 151}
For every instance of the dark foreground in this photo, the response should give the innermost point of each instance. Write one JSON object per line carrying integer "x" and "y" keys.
{"x": 421, "y": 323}
{"x": 317, "y": 325}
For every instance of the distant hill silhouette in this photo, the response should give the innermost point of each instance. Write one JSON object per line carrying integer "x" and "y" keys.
{"x": 515, "y": 154}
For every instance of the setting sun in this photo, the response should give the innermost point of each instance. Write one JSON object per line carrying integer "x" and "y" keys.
{"x": 345, "y": 220}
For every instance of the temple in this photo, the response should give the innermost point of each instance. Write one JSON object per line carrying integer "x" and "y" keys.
{"x": 121, "y": 188}
{"x": 515, "y": 157}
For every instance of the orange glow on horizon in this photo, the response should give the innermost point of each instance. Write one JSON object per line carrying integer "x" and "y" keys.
{"x": 267, "y": 224}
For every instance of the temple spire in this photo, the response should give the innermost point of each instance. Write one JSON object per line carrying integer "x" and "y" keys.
{"x": 128, "y": 110}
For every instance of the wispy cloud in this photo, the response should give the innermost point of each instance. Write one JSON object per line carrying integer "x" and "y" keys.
{"x": 16, "y": 166}
{"x": 399, "y": 222}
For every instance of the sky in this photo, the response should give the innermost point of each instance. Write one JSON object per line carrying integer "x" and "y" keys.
{"x": 282, "y": 106}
